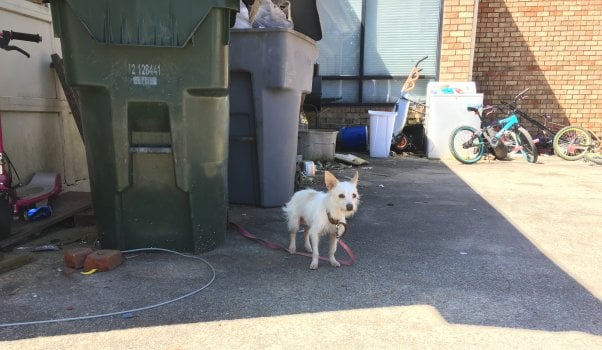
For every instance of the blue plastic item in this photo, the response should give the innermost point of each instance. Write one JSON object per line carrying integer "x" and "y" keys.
{"x": 39, "y": 213}
{"x": 353, "y": 137}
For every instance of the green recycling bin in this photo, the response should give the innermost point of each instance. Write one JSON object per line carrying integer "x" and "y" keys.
{"x": 152, "y": 81}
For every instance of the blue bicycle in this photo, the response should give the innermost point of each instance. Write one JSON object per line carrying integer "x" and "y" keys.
{"x": 468, "y": 145}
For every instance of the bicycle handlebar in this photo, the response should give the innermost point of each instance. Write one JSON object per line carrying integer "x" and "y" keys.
{"x": 7, "y": 35}
{"x": 513, "y": 105}
{"x": 36, "y": 38}
{"x": 485, "y": 110}
{"x": 420, "y": 60}
{"x": 520, "y": 95}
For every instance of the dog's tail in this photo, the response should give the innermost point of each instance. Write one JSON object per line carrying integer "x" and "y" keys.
{"x": 292, "y": 220}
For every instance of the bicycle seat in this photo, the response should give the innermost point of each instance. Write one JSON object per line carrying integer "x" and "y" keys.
{"x": 41, "y": 186}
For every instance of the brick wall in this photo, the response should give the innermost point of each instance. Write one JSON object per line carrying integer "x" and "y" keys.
{"x": 334, "y": 118}
{"x": 552, "y": 47}
{"x": 456, "y": 40}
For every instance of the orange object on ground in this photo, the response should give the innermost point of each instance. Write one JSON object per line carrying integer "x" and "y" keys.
{"x": 103, "y": 260}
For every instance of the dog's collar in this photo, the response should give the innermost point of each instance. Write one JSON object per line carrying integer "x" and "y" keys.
{"x": 338, "y": 225}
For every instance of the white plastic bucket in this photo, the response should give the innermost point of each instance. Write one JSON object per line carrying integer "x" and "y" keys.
{"x": 381, "y": 132}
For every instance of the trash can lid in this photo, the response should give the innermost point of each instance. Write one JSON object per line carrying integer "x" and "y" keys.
{"x": 145, "y": 22}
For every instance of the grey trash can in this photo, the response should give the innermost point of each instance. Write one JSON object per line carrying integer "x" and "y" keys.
{"x": 270, "y": 70}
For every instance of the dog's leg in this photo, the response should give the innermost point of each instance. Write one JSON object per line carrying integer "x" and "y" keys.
{"x": 332, "y": 250}
{"x": 292, "y": 247}
{"x": 315, "y": 256}
{"x": 306, "y": 238}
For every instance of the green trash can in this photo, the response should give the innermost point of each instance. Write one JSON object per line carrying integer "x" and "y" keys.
{"x": 152, "y": 82}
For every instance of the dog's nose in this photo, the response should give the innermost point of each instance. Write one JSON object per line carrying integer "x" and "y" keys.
{"x": 349, "y": 207}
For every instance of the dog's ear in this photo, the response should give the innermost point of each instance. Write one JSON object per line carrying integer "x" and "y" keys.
{"x": 330, "y": 180}
{"x": 355, "y": 177}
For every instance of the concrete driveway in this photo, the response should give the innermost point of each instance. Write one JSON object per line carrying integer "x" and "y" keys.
{"x": 499, "y": 254}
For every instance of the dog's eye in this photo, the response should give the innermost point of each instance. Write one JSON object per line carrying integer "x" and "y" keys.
{"x": 354, "y": 195}
{"x": 341, "y": 195}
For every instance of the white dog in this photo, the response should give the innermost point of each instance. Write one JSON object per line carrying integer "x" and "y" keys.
{"x": 322, "y": 213}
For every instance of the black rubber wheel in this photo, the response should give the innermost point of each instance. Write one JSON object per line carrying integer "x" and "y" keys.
{"x": 401, "y": 143}
{"x": 466, "y": 145}
{"x": 528, "y": 148}
{"x": 6, "y": 217}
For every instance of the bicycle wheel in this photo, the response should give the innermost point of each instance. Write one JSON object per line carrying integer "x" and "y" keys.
{"x": 466, "y": 145}
{"x": 6, "y": 216}
{"x": 400, "y": 143}
{"x": 526, "y": 145}
{"x": 571, "y": 142}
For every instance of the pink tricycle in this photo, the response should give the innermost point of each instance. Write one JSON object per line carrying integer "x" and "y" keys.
{"x": 16, "y": 200}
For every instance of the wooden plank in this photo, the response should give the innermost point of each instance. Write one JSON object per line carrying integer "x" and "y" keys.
{"x": 64, "y": 206}
{"x": 70, "y": 94}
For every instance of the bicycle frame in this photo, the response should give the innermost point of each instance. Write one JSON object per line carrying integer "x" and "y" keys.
{"x": 483, "y": 134}
{"x": 539, "y": 125}
{"x": 512, "y": 124}
{"x": 5, "y": 173}
{"x": 506, "y": 124}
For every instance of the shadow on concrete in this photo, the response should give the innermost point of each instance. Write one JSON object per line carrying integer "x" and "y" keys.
{"x": 422, "y": 237}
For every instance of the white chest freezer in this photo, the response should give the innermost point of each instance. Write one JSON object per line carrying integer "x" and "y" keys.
{"x": 447, "y": 105}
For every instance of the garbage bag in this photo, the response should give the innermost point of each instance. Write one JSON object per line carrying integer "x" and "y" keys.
{"x": 242, "y": 17}
{"x": 270, "y": 15}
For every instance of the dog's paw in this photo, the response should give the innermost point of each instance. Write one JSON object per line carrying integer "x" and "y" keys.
{"x": 335, "y": 263}
{"x": 308, "y": 248}
{"x": 292, "y": 249}
{"x": 313, "y": 266}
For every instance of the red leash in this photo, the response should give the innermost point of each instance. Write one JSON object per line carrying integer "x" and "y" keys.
{"x": 277, "y": 246}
